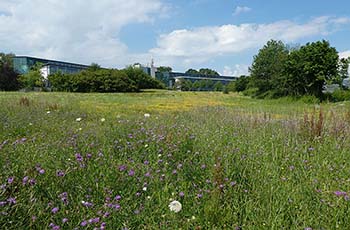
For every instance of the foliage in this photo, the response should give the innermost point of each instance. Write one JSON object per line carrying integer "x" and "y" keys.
{"x": 8, "y": 77}
{"x": 241, "y": 83}
{"x": 268, "y": 66}
{"x": 309, "y": 68}
{"x": 32, "y": 79}
{"x": 203, "y": 71}
{"x": 104, "y": 80}
{"x": 278, "y": 71}
{"x": 339, "y": 95}
{"x": 192, "y": 71}
{"x": 164, "y": 69}
{"x": 90, "y": 161}
{"x": 218, "y": 86}
{"x": 142, "y": 80}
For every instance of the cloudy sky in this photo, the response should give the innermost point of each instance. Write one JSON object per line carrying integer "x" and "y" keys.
{"x": 220, "y": 34}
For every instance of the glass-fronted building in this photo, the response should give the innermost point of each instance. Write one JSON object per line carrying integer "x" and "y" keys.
{"x": 22, "y": 64}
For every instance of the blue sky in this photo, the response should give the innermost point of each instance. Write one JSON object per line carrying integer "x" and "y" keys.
{"x": 220, "y": 34}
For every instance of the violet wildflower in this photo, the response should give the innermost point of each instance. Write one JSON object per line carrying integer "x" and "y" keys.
{"x": 25, "y": 180}
{"x": 60, "y": 173}
{"x": 339, "y": 193}
{"x": 78, "y": 157}
{"x": 3, "y": 203}
{"x": 83, "y": 223}
{"x": 11, "y": 200}
{"x": 122, "y": 168}
{"x": 117, "y": 197}
{"x": 41, "y": 171}
{"x": 10, "y": 180}
{"x": 64, "y": 220}
{"x": 55, "y": 210}
{"x": 199, "y": 195}
{"x": 181, "y": 194}
{"x": 131, "y": 172}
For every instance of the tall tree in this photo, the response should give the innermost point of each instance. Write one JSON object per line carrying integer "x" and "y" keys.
{"x": 310, "y": 67}
{"x": 8, "y": 77}
{"x": 208, "y": 72}
{"x": 164, "y": 69}
{"x": 267, "y": 68}
{"x": 191, "y": 71}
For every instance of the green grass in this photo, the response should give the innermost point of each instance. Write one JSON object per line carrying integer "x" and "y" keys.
{"x": 232, "y": 162}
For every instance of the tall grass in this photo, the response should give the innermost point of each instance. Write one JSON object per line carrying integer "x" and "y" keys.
{"x": 232, "y": 162}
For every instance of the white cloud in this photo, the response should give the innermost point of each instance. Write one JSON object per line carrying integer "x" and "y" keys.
{"x": 83, "y": 31}
{"x": 237, "y": 70}
{"x": 241, "y": 9}
{"x": 344, "y": 54}
{"x": 201, "y": 44}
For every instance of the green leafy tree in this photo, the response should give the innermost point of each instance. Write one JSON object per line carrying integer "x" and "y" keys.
{"x": 33, "y": 79}
{"x": 9, "y": 79}
{"x": 309, "y": 68}
{"x": 163, "y": 69}
{"x": 343, "y": 71}
{"x": 218, "y": 86}
{"x": 208, "y": 72}
{"x": 268, "y": 67}
{"x": 192, "y": 71}
{"x": 241, "y": 83}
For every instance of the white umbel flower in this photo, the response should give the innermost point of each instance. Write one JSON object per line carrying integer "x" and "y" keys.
{"x": 175, "y": 206}
{"x": 147, "y": 115}
{"x": 78, "y": 119}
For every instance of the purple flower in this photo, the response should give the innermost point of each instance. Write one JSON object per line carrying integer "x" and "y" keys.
{"x": 117, "y": 197}
{"x": 174, "y": 171}
{"x": 10, "y": 180}
{"x": 199, "y": 195}
{"x": 78, "y": 157}
{"x": 88, "y": 156}
{"x": 60, "y": 173}
{"x": 55, "y": 210}
{"x": 148, "y": 174}
{"x": 25, "y": 180}
{"x": 122, "y": 168}
{"x": 203, "y": 166}
{"x": 181, "y": 194}
{"x": 64, "y": 220}
{"x": 131, "y": 172}
{"x": 32, "y": 181}
{"x": 11, "y": 200}
{"x": 340, "y": 193}
{"x": 83, "y": 223}
{"x": 87, "y": 204}
{"x": 94, "y": 220}
{"x": 3, "y": 203}
{"x": 233, "y": 183}
{"x": 41, "y": 171}
{"x": 146, "y": 162}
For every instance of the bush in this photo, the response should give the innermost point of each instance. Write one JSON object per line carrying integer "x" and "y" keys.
{"x": 309, "y": 99}
{"x": 339, "y": 95}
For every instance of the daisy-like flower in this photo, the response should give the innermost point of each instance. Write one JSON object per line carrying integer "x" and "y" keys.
{"x": 147, "y": 115}
{"x": 175, "y": 206}
{"x": 103, "y": 119}
{"x": 78, "y": 119}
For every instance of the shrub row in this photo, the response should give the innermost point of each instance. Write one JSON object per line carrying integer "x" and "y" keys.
{"x": 104, "y": 80}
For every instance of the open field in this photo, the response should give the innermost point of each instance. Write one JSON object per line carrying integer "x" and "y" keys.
{"x": 95, "y": 161}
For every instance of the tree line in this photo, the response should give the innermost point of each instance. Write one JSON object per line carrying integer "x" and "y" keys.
{"x": 278, "y": 70}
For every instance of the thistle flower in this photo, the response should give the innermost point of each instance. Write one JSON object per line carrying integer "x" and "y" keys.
{"x": 175, "y": 206}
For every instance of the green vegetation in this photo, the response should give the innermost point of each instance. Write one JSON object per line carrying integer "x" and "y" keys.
{"x": 116, "y": 161}
{"x": 8, "y": 78}
{"x": 96, "y": 79}
{"x": 277, "y": 71}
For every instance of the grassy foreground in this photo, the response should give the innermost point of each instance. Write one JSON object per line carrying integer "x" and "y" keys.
{"x": 116, "y": 161}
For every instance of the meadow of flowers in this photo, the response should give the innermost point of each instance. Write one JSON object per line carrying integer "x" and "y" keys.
{"x": 172, "y": 160}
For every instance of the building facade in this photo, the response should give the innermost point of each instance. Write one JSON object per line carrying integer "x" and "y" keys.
{"x": 22, "y": 64}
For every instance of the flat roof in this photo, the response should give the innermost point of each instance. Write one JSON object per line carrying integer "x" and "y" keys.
{"x": 48, "y": 61}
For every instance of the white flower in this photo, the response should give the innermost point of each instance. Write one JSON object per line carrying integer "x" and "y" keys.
{"x": 78, "y": 119}
{"x": 48, "y": 112}
{"x": 144, "y": 189}
{"x": 175, "y": 206}
{"x": 147, "y": 115}
{"x": 103, "y": 119}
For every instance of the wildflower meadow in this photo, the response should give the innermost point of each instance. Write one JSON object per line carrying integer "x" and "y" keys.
{"x": 172, "y": 160}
